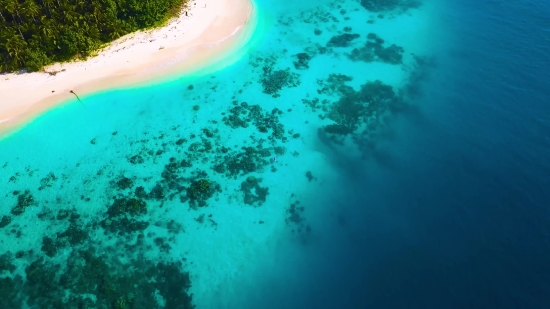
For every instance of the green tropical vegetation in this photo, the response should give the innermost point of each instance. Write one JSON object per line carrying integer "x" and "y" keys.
{"x": 35, "y": 33}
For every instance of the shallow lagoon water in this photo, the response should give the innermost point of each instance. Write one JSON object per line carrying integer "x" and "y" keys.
{"x": 429, "y": 193}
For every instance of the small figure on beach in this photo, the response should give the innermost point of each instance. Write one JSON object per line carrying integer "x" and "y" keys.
{"x": 76, "y": 95}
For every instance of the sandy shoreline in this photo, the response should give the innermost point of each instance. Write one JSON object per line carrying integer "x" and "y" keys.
{"x": 185, "y": 44}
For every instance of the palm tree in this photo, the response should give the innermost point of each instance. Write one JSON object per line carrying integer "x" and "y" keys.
{"x": 31, "y": 9}
{"x": 13, "y": 7}
{"x": 16, "y": 47}
{"x": 44, "y": 29}
{"x": 48, "y": 4}
{"x": 117, "y": 30}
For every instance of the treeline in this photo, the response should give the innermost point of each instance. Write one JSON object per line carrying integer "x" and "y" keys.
{"x": 35, "y": 33}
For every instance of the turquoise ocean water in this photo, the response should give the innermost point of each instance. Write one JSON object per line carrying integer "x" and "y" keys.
{"x": 274, "y": 182}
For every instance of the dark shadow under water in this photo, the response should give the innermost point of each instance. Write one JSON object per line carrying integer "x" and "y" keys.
{"x": 463, "y": 222}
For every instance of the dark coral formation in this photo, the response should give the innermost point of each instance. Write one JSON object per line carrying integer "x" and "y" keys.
{"x": 357, "y": 112}
{"x": 374, "y": 50}
{"x": 5, "y": 263}
{"x": 24, "y": 200}
{"x": 241, "y": 115}
{"x": 249, "y": 159}
{"x": 356, "y": 106}
{"x": 417, "y": 76}
{"x": 136, "y": 159}
{"x": 273, "y": 80}
{"x": 124, "y": 183}
{"x": 124, "y": 225}
{"x": 302, "y": 61}
{"x": 89, "y": 279}
{"x": 254, "y": 194}
{"x": 342, "y": 40}
{"x": 363, "y": 113}
{"x": 130, "y": 206}
{"x": 5, "y": 221}
{"x": 389, "y": 5}
{"x": 366, "y": 114}
{"x": 199, "y": 191}
{"x": 246, "y": 161}
{"x": 123, "y": 216}
{"x": 47, "y": 181}
{"x": 74, "y": 235}
{"x": 113, "y": 284}
{"x": 297, "y": 222}
{"x": 49, "y": 246}
{"x": 310, "y": 176}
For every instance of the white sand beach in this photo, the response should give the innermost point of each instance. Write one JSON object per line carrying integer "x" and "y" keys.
{"x": 202, "y": 32}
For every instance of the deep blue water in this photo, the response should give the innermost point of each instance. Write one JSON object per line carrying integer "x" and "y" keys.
{"x": 463, "y": 221}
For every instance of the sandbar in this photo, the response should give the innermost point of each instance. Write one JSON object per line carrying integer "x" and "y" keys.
{"x": 201, "y": 33}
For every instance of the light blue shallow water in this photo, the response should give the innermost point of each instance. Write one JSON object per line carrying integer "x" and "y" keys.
{"x": 434, "y": 195}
